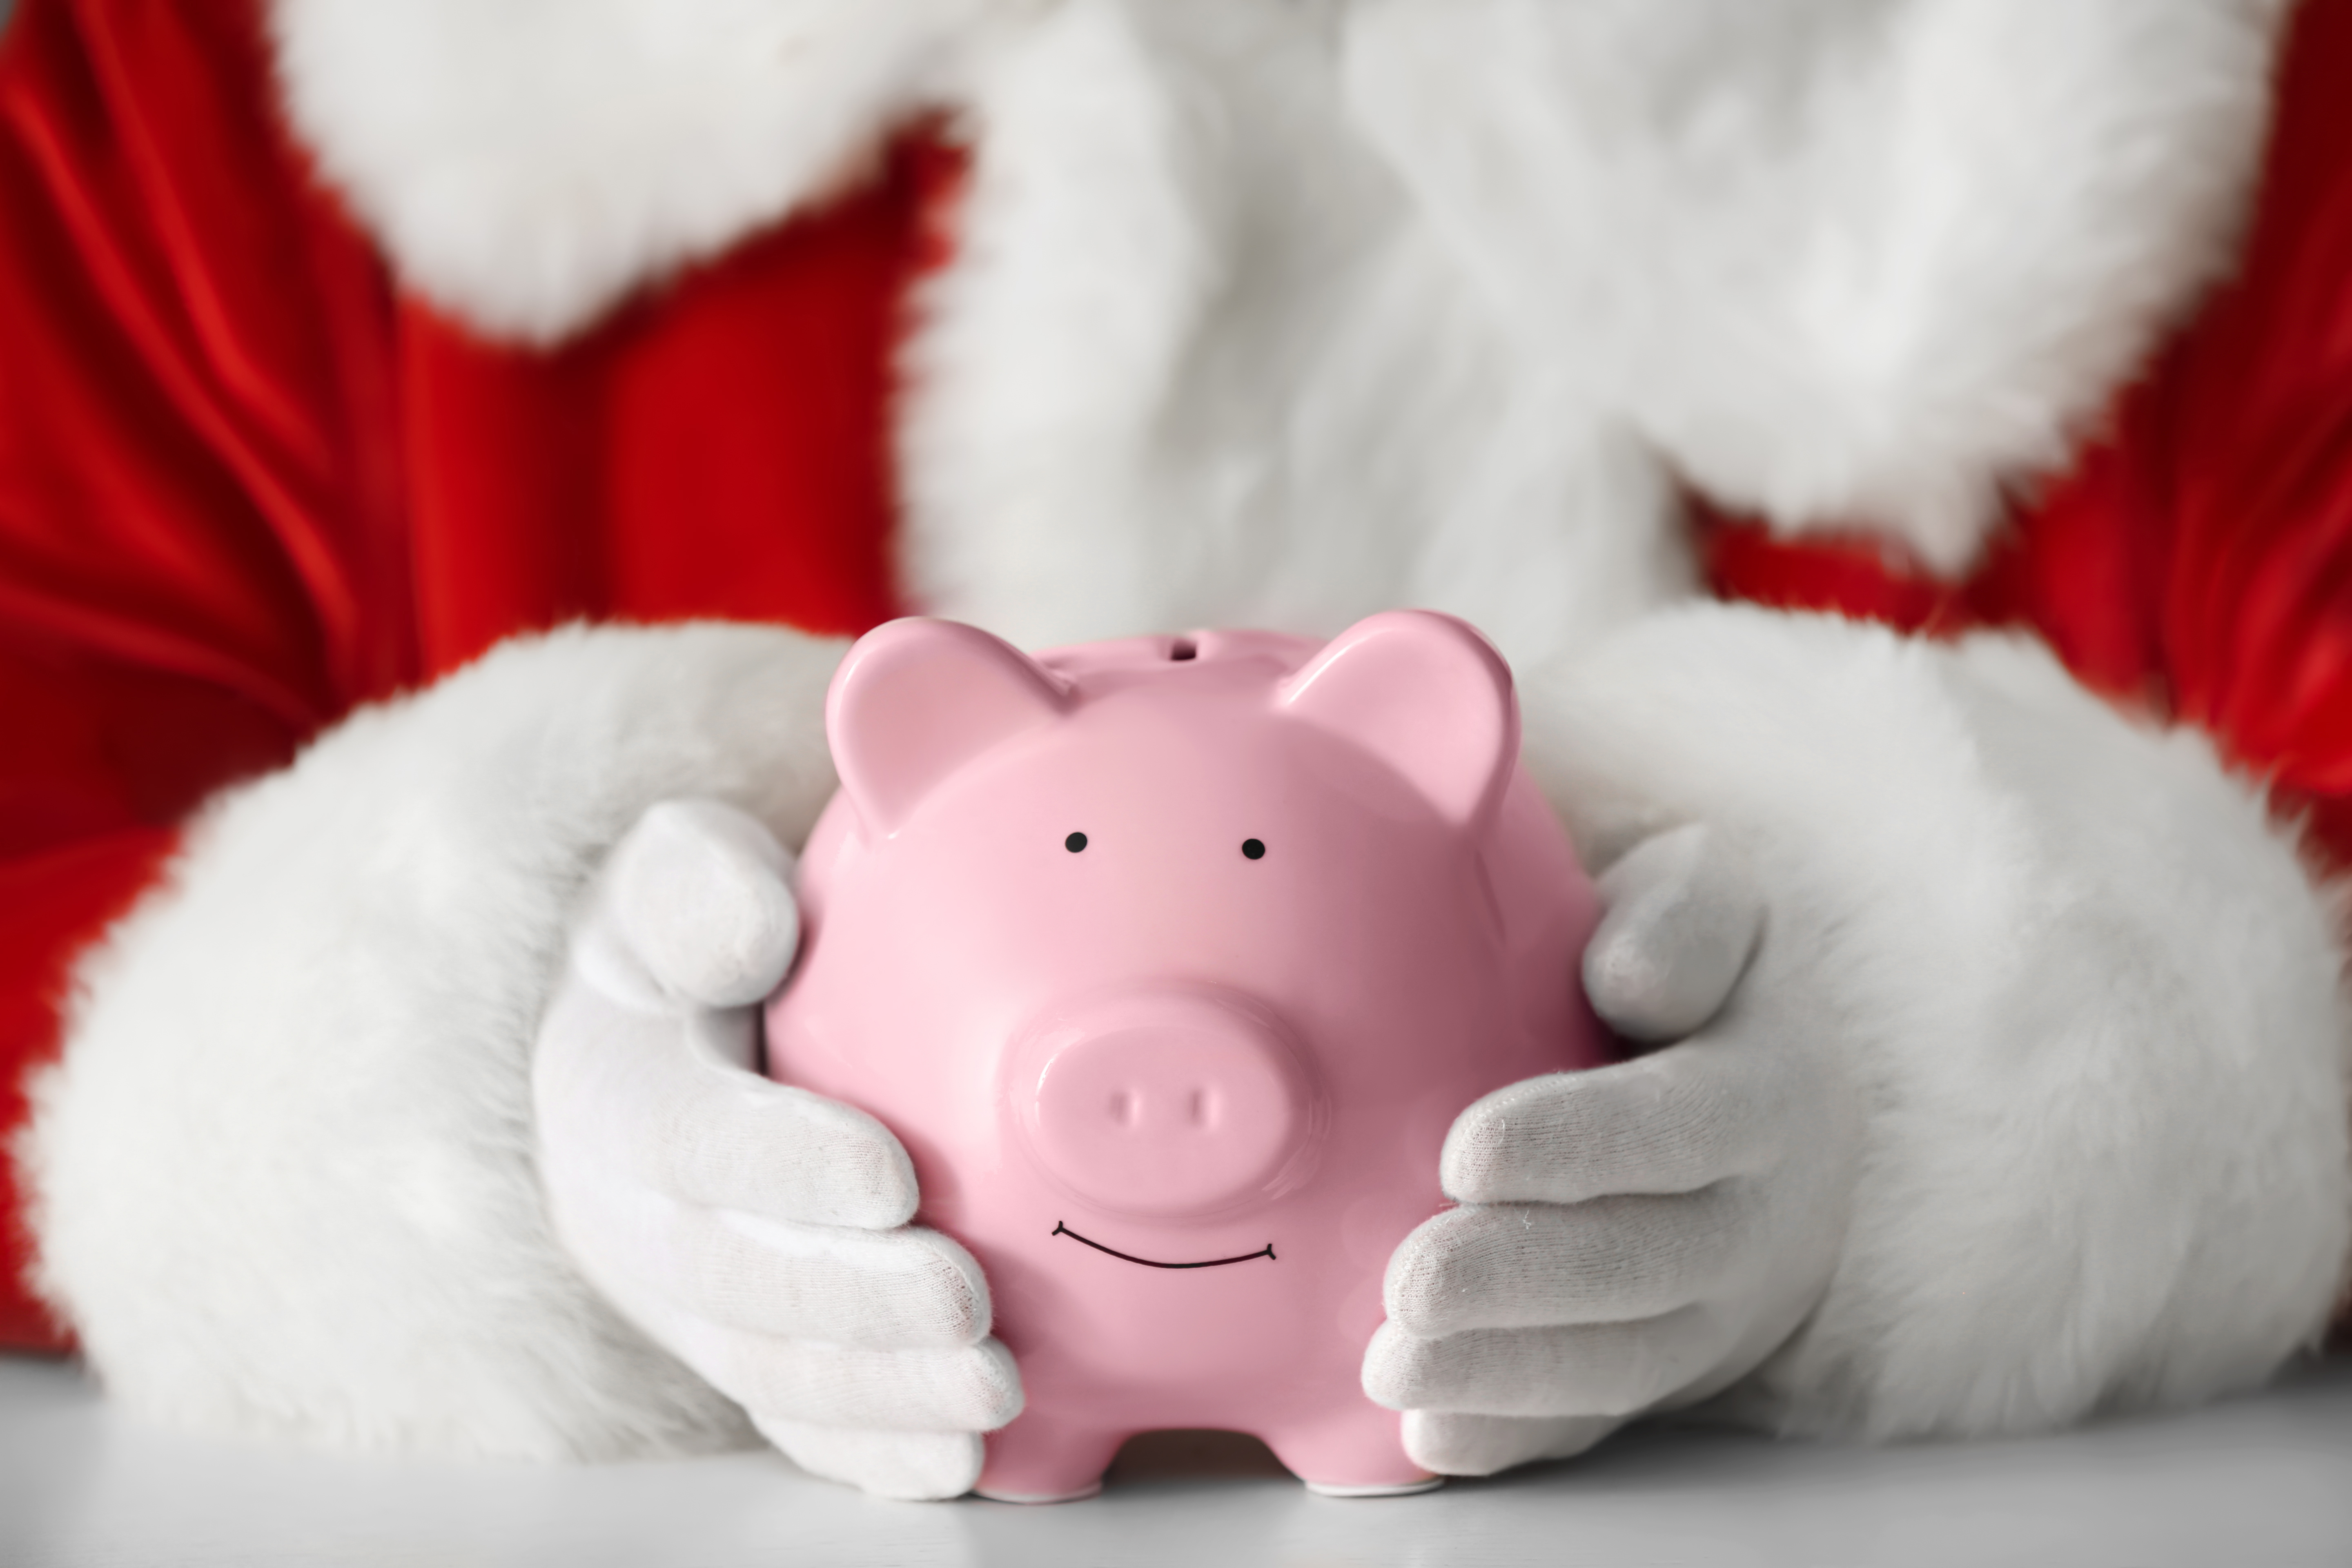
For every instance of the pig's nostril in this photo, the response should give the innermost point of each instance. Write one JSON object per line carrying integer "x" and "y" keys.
{"x": 1197, "y": 1109}
{"x": 1123, "y": 1107}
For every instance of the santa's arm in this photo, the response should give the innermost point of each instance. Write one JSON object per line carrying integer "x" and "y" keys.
{"x": 2083, "y": 987}
{"x": 329, "y": 1096}
{"x": 2028, "y": 1096}
{"x": 288, "y": 1169}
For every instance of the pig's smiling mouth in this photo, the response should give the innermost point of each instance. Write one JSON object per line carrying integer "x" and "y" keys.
{"x": 1265, "y": 1252}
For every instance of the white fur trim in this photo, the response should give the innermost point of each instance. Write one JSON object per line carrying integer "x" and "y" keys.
{"x": 1200, "y": 360}
{"x": 1289, "y": 314}
{"x": 2085, "y": 987}
{"x": 283, "y": 1175}
{"x": 527, "y": 163}
{"x": 1848, "y": 263}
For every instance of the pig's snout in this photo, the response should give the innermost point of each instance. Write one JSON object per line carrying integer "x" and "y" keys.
{"x": 1168, "y": 1103}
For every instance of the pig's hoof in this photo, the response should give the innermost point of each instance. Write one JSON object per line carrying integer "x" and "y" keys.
{"x": 993, "y": 1495}
{"x": 1384, "y": 1489}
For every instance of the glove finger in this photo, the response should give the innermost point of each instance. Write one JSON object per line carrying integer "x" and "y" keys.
{"x": 918, "y": 1467}
{"x": 974, "y": 1388}
{"x": 1683, "y": 919}
{"x": 1514, "y": 1266}
{"x": 700, "y": 894}
{"x": 907, "y": 1289}
{"x": 635, "y": 1093}
{"x": 1577, "y": 1369}
{"x": 1450, "y": 1443}
{"x": 1674, "y": 1121}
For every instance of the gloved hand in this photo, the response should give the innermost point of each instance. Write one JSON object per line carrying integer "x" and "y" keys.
{"x": 1643, "y": 1235}
{"x": 757, "y": 1232}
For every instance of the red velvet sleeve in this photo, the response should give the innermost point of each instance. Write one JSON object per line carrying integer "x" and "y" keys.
{"x": 2234, "y": 461}
{"x": 189, "y": 514}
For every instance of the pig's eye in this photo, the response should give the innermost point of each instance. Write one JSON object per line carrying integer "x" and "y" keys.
{"x": 1253, "y": 848}
{"x": 1077, "y": 841}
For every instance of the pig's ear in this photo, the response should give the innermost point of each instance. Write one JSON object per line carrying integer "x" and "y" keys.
{"x": 917, "y": 698}
{"x": 1425, "y": 694}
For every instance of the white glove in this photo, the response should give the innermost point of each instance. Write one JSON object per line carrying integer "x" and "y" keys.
{"x": 1643, "y": 1235}
{"x": 757, "y": 1232}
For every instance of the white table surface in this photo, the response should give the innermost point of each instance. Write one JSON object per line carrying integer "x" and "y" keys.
{"x": 2261, "y": 1480}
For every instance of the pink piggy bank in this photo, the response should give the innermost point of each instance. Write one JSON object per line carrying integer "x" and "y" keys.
{"x": 1171, "y": 961}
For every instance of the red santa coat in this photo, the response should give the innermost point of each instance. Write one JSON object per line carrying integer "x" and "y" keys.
{"x": 246, "y": 483}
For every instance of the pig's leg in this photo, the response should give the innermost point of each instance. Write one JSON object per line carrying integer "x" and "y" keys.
{"x": 1036, "y": 1460}
{"x": 1355, "y": 1450}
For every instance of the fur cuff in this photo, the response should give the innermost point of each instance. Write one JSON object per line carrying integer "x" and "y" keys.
{"x": 527, "y": 164}
{"x": 2090, "y": 998}
{"x": 284, "y": 1175}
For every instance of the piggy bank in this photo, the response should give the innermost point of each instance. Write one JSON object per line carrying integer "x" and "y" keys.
{"x": 1170, "y": 961}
